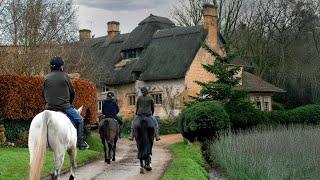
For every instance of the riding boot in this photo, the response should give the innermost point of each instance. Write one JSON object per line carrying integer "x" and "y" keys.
{"x": 157, "y": 134}
{"x": 82, "y": 145}
{"x": 131, "y": 135}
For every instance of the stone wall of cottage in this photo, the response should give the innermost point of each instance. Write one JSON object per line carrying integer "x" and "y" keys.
{"x": 196, "y": 72}
{"x": 170, "y": 91}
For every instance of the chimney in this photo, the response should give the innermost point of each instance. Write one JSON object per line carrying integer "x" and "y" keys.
{"x": 113, "y": 29}
{"x": 84, "y": 34}
{"x": 210, "y": 22}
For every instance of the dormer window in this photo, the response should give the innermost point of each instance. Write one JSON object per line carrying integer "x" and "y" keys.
{"x": 132, "y": 53}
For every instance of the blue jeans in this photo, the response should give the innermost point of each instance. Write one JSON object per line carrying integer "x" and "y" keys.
{"x": 74, "y": 114}
{"x": 154, "y": 122}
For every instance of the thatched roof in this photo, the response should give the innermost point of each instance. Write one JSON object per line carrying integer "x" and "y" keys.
{"x": 141, "y": 36}
{"x": 253, "y": 83}
{"x": 168, "y": 51}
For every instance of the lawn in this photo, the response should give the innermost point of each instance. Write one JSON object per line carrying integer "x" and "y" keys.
{"x": 14, "y": 162}
{"x": 187, "y": 163}
{"x": 283, "y": 153}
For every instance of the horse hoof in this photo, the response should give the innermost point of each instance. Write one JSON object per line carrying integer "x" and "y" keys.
{"x": 141, "y": 170}
{"x": 71, "y": 177}
{"x": 114, "y": 159}
{"x": 148, "y": 168}
{"x": 107, "y": 161}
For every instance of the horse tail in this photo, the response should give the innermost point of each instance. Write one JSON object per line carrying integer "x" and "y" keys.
{"x": 144, "y": 150}
{"x": 40, "y": 149}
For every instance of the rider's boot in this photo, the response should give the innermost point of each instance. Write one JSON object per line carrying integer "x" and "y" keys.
{"x": 157, "y": 134}
{"x": 82, "y": 145}
{"x": 131, "y": 135}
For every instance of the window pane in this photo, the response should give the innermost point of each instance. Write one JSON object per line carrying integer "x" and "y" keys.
{"x": 266, "y": 106}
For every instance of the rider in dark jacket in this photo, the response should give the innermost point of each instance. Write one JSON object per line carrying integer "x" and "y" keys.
{"x": 145, "y": 107}
{"x": 110, "y": 109}
{"x": 59, "y": 95}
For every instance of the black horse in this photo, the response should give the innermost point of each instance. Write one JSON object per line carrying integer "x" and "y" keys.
{"x": 109, "y": 130}
{"x": 144, "y": 135}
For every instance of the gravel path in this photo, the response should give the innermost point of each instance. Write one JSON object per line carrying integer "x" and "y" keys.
{"x": 127, "y": 165}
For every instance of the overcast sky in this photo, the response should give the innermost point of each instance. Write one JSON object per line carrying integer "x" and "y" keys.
{"x": 94, "y": 14}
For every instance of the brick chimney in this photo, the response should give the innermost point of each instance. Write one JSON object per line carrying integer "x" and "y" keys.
{"x": 113, "y": 29}
{"x": 210, "y": 23}
{"x": 84, "y": 34}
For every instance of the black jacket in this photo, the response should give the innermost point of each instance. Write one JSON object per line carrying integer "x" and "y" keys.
{"x": 58, "y": 91}
{"x": 110, "y": 108}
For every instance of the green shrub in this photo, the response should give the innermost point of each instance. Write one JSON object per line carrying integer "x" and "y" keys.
{"x": 166, "y": 126}
{"x": 309, "y": 114}
{"x": 169, "y": 126}
{"x": 244, "y": 115}
{"x": 17, "y": 132}
{"x": 203, "y": 120}
{"x": 277, "y": 106}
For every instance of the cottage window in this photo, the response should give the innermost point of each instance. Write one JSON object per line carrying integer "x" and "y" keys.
{"x": 266, "y": 106}
{"x": 132, "y": 100}
{"x": 132, "y": 53}
{"x": 266, "y": 103}
{"x": 99, "y": 106}
{"x": 104, "y": 88}
{"x": 157, "y": 98}
{"x": 258, "y": 102}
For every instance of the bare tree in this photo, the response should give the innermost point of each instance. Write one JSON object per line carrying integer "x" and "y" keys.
{"x": 33, "y": 30}
{"x": 189, "y": 13}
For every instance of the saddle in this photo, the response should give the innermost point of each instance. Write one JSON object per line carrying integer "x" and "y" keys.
{"x": 143, "y": 118}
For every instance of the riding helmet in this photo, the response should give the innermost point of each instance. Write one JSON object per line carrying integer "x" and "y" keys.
{"x": 56, "y": 62}
{"x": 144, "y": 90}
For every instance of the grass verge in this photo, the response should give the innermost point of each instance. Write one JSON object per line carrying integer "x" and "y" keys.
{"x": 187, "y": 163}
{"x": 14, "y": 162}
{"x": 282, "y": 153}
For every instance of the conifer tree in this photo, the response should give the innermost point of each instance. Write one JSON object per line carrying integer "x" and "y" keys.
{"x": 223, "y": 89}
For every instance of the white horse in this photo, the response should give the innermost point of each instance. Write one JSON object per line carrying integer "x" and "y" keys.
{"x": 53, "y": 129}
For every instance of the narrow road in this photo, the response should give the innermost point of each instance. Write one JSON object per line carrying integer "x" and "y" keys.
{"x": 127, "y": 165}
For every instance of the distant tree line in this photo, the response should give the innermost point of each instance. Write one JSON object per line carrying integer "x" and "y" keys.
{"x": 279, "y": 38}
{"x": 33, "y": 31}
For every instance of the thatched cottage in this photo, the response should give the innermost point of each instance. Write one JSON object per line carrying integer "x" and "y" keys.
{"x": 167, "y": 59}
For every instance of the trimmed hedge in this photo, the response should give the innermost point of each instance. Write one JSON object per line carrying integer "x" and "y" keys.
{"x": 22, "y": 97}
{"x": 166, "y": 127}
{"x": 243, "y": 114}
{"x": 309, "y": 114}
{"x": 202, "y": 120}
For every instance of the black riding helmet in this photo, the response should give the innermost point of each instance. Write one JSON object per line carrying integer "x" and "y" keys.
{"x": 56, "y": 62}
{"x": 144, "y": 90}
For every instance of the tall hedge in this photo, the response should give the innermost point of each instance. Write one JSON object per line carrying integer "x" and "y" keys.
{"x": 21, "y": 97}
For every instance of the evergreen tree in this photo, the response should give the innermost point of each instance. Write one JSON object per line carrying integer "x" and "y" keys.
{"x": 223, "y": 89}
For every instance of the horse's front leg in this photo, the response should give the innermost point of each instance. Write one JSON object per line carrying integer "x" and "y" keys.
{"x": 73, "y": 154}
{"x": 59, "y": 158}
{"x": 141, "y": 166}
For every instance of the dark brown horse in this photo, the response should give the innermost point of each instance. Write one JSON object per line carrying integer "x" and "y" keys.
{"x": 144, "y": 135}
{"x": 109, "y": 130}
